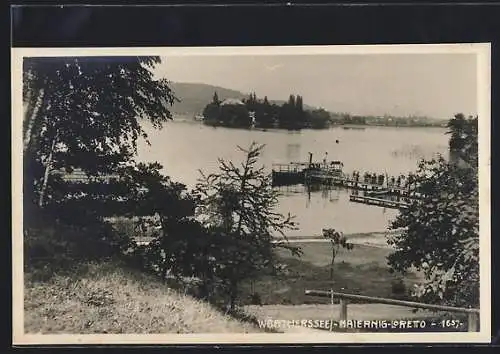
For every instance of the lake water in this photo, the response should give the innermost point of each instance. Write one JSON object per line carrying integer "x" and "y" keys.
{"x": 185, "y": 147}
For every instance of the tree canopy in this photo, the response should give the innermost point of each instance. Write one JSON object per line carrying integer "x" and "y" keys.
{"x": 84, "y": 112}
{"x": 290, "y": 115}
{"x": 463, "y": 138}
{"x": 440, "y": 232}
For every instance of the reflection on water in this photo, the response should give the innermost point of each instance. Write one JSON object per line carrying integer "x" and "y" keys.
{"x": 329, "y": 194}
{"x": 293, "y": 152}
{"x": 317, "y": 207}
{"x": 184, "y": 148}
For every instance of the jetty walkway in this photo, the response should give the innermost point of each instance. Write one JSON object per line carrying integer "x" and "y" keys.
{"x": 378, "y": 189}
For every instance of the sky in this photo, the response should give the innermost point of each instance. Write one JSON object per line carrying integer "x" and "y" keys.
{"x": 433, "y": 85}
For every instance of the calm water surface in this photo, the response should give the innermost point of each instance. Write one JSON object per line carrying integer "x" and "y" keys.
{"x": 183, "y": 148}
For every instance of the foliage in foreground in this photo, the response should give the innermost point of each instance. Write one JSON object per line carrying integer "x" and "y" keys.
{"x": 337, "y": 241}
{"x": 220, "y": 235}
{"x": 441, "y": 231}
{"x": 82, "y": 113}
{"x": 238, "y": 204}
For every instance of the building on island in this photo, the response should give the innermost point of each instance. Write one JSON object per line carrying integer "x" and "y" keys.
{"x": 232, "y": 101}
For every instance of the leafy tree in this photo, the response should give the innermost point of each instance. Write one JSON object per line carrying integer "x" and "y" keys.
{"x": 216, "y": 100}
{"x": 251, "y": 103}
{"x": 288, "y": 115}
{"x": 299, "y": 104}
{"x": 82, "y": 112}
{"x": 318, "y": 118}
{"x": 457, "y": 130}
{"x": 211, "y": 112}
{"x": 238, "y": 206}
{"x": 235, "y": 115}
{"x": 337, "y": 241}
{"x": 440, "y": 232}
{"x": 463, "y": 138}
{"x": 168, "y": 209}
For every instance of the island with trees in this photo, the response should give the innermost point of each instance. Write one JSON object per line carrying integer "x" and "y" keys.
{"x": 253, "y": 112}
{"x": 260, "y": 113}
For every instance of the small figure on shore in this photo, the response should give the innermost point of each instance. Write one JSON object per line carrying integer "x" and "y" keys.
{"x": 366, "y": 177}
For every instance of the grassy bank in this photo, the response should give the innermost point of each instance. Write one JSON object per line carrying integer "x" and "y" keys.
{"x": 106, "y": 298}
{"x": 362, "y": 270}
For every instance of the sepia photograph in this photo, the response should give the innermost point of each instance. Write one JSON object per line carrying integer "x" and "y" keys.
{"x": 251, "y": 194}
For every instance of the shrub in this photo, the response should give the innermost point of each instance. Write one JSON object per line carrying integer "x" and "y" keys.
{"x": 50, "y": 244}
{"x": 398, "y": 287}
{"x": 255, "y": 299}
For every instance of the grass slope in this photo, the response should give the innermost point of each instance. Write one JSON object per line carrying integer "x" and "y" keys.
{"x": 104, "y": 298}
{"x": 362, "y": 270}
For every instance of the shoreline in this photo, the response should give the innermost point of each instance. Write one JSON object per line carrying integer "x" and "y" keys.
{"x": 372, "y": 239}
{"x": 348, "y": 126}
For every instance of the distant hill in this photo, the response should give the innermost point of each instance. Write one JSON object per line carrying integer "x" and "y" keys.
{"x": 194, "y": 97}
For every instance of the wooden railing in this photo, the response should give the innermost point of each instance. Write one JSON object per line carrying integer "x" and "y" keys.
{"x": 473, "y": 314}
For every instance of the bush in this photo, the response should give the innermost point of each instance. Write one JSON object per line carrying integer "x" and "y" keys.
{"x": 125, "y": 226}
{"x": 398, "y": 287}
{"x": 52, "y": 245}
{"x": 255, "y": 299}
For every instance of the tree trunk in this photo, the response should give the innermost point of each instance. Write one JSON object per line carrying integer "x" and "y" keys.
{"x": 31, "y": 118}
{"x": 204, "y": 288}
{"x": 164, "y": 272}
{"x": 233, "y": 295}
{"x": 331, "y": 264}
{"x": 48, "y": 167}
{"x": 331, "y": 267}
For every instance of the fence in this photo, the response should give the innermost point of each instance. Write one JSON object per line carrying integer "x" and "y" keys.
{"x": 473, "y": 314}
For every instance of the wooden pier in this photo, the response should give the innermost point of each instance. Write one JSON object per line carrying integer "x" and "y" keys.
{"x": 331, "y": 174}
{"x": 386, "y": 203}
{"x": 300, "y": 172}
{"x": 288, "y": 174}
{"x": 348, "y": 182}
